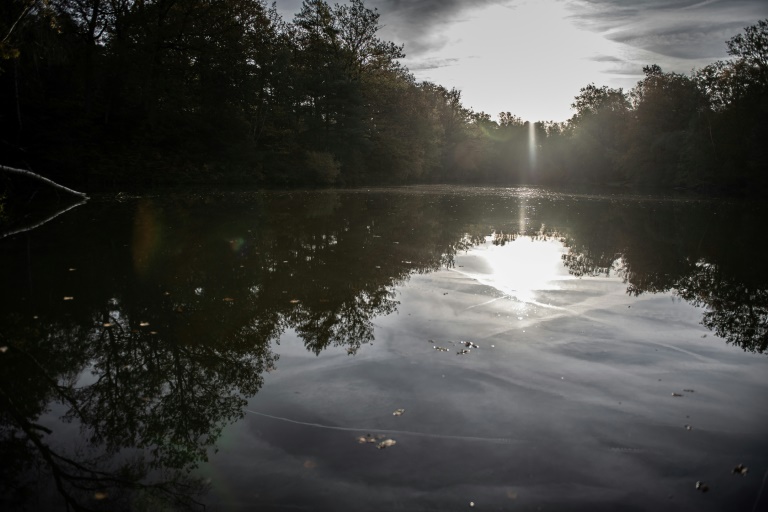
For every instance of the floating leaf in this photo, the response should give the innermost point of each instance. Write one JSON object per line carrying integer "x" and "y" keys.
{"x": 228, "y": 299}
{"x": 702, "y": 486}
{"x": 398, "y": 412}
{"x": 294, "y": 301}
{"x": 440, "y": 349}
{"x": 462, "y": 352}
{"x": 107, "y": 324}
{"x": 69, "y": 298}
{"x": 386, "y": 444}
{"x": 676, "y": 394}
{"x": 688, "y": 390}
{"x": 72, "y": 269}
{"x": 100, "y": 495}
{"x": 3, "y": 350}
{"x": 688, "y": 427}
{"x": 469, "y": 344}
{"x": 367, "y": 438}
{"x": 741, "y": 469}
{"x": 143, "y": 324}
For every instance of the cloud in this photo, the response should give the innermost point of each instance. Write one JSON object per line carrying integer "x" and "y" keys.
{"x": 685, "y": 29}
{"x": 426, "y": 64}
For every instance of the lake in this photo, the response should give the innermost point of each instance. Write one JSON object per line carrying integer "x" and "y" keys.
{"x": 419, "y": 348}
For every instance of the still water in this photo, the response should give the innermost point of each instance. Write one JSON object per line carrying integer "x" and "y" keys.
{"x": 427, "y": 348}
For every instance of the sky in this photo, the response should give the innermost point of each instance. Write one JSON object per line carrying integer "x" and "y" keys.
{"x": 531, "y": 57}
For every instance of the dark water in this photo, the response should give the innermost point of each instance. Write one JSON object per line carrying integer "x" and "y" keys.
{"x": 253, "y": 351}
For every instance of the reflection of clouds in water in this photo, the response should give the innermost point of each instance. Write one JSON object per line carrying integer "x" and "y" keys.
{"x": 519, "y": 268}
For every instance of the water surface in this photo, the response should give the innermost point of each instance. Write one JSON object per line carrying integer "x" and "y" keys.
{"x": 427, "y": 348}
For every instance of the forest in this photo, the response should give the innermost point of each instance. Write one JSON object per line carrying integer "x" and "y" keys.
{"x": 117, "y": 93}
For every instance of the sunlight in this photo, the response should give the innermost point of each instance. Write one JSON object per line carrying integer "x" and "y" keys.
{"x": 532, "y": 145}
{"x": 529, "y": 58}
{"x": 520, "y": 268}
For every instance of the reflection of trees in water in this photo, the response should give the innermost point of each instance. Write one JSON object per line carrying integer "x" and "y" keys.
{"x": 172, "y": 326}
{"x": 681, "y": 247}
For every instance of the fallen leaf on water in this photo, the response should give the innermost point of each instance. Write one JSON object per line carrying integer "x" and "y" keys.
{"x": 398, "y": 412}
{"x": 462, "y": 352}
{"x": 441, "y": 349}
{"x": 228, "y": 299}
{"x": 367, "y": 438}
{"x": 386, "y": 444}
{"x": 676, "y": 394}
{"x": 688, "y": 427}
{"x": 3, "y": 350}
{"x": 100, "y": 495}
{"x": 72, "y": 269}
{"x": 702, "y": 486}
{"x": 295, "y": 301}
{"x": 469, "y": 344}
{"x": 69, "y": 298}
{"x": 688, "y": 390}
{"x": 107, "y": 324}
{"x": 152, "y": 332}
{"x": 741, "y": 469}
{"x": 143, "y": 324}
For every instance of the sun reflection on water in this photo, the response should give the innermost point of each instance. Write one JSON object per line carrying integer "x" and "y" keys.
{"x": 519, "y": 268}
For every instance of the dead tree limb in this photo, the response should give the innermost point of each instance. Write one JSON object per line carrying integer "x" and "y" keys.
{"x": 41, "y": 178}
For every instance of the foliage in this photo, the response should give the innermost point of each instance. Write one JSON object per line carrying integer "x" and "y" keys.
{"x": 173, "y": 91}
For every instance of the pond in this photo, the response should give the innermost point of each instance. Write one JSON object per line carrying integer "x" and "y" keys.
{"x": 419, "y": 348}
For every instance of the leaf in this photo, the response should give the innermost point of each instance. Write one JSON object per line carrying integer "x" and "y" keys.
{"x": 741, "y": 469}
{"x": 143, "y": 324}
{"x": 69, "y": 298}
{"x": 398, "y": 412}
{"x": 386, "y": 444}
{"x": 228, "y": 299}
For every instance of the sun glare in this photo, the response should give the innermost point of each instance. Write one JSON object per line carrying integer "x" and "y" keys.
{"x": 528, "y": 58}
{"x": 520, "y": 268}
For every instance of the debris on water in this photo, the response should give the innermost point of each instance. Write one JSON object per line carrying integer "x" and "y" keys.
{"x": 703, "y": 335}
{"x": 688, "y": 427}
{"x": 689, "y": 391}
{"x": 386, "y": 444}
{"x": 676, "y": 394}
{"x": 98, "y": 495}
{"x": 69, "y": 298}
{"x": 3, "y": 349}
{"x": 441, "y": 349}
{"x": 369, "y": 439}
{"x": 107, "y": 324}
{"x": 469, "y": 344}
{"x": 143, "y": 324}
{"x": 471, "y": 503}
{"x": 398, "y": 412}
{"x": 228, "y": 299}
{"x": 294, "y": 301}
{"x": 462, "y": 352}
{"x": 701, "y": 486}
{"x": 741, "y": 469}
{"x": 72, "y": 269}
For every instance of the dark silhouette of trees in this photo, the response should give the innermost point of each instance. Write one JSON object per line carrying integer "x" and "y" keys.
{"x": 111, "y": 92}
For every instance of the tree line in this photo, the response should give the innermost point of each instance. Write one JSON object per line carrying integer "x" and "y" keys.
{"x": 115, "y": 92}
